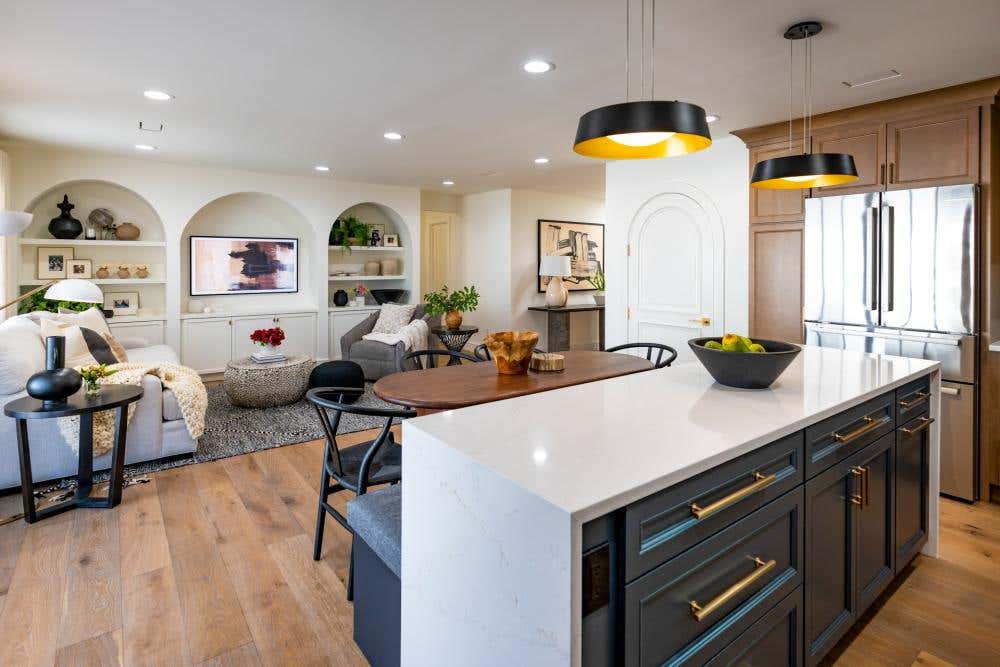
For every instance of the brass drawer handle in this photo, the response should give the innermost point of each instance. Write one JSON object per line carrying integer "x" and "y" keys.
{"x": 922, "y": 396}
{"x": 924, "y": 423}
{"x": 870, "y": 424}
{"x": 760, "y": 481}
{"x": 760, "y": 569}
{"x": 865, "y": 499}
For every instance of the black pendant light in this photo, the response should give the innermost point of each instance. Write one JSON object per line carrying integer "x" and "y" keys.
{"x": 642, "y": 129}
{"x": 808, "y": 170}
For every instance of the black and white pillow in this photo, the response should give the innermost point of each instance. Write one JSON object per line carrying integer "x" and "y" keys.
{"x": 84, "y": 346}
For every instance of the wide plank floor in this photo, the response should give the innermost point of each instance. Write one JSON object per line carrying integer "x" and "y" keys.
{"x": 211, "y": 565}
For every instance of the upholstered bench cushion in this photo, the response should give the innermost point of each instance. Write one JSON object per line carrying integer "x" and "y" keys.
{"x": 376, "y": 517}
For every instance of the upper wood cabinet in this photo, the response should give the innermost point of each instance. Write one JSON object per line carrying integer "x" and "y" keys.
{"x": 934, "y": 149}
{"x": 867, "y": 144}
{"x": 775, "y": 205}
{"x": 776, "y": 282}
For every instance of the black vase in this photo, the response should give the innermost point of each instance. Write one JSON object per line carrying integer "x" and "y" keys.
{"x": 65, "y": 226}
{"x": 53, "y": 385}
{"x": 340, "y": 298}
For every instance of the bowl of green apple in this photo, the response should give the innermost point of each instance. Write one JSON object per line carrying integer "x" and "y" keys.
{"x": 737, "y": 361}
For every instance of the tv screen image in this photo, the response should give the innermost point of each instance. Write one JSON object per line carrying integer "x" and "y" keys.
{"x": 243, "y": 265}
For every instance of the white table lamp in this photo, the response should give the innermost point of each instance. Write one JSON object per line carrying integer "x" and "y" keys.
{"x": 13, "y": 222}
{"x": 556, "y": 267}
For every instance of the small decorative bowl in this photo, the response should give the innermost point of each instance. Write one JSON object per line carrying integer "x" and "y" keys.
{"x": 745, "y": 370}
{"x": 512, "y": 350}
{"x": 388, "y": 295}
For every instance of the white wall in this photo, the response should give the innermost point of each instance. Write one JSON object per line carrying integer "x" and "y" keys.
{"x": 440, "y": 201}
{"x": 484, "y": 257}
{"x": 177, "y": 192}
{"x": 720, "y": 173}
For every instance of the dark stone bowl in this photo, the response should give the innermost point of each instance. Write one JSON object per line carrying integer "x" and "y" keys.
{"x": 745, "y": 370}
{"x": 387, "y": 295}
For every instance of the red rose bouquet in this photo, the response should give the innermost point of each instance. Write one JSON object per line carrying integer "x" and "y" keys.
{"x": 268, "y": 337}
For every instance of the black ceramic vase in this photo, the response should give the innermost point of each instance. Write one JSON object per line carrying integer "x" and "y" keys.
{"x": 65, "y": 226}
{"x": 340, "y": 298}
{"x": 53, "y": 385}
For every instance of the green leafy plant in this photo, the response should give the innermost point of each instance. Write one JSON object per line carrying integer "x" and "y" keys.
{"x": 442, "y": 301}
{"x": 93, "y": 374}
{"x": 597, "y": 280}
{"x": 37, "y": 301}
{"x": 353, "y": 228}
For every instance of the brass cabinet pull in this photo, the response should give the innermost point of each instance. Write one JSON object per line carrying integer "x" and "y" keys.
{"x": 760, "y": 481}
{"x": 760, "y": 568}
{"x": 924, "y": 423}
{"x": 892, "y": 170}
{"x": 922, "y": 396}
{"x": 864, "y": 474}
{"x": 870, "y": 424}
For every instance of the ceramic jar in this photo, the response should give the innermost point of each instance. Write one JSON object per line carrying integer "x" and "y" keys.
{"x": 453, "y": 319}
{"x": 123, "y": 272}
{"x": 53, "y": 385}
{"x": 141, "y": 271}
{"x": 127, "y": 232}
{"x": 102, "y": 273}
{"x": 372, "y": 268}
{"x": 340, "y": 298}
{"x": 390, "y": 267}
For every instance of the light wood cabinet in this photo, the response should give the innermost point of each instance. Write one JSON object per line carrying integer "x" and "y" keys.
{"x": 775, "y": 205}
{"x": 776, "y": 281}
{"x": 934, "y": 149}
{"x": 866, "y": 143}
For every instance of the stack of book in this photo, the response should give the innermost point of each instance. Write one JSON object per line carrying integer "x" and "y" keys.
{"x": 265, "y": 357}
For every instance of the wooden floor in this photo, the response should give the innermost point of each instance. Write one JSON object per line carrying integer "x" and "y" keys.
{"x": 211, "y": 564}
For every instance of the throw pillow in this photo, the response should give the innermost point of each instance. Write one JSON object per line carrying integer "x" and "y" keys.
{"x": 22, "y": 354}
{"x": 92, "y": 318}
{"x": 84, "y": 347}
{"x": 116, "y": 348}
{"x": 392, "y": 317}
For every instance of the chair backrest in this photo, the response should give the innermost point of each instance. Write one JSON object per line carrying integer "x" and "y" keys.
{"x": 419, "y": 360}
{"x": 483, "y": 353}
{"x": 660, "y": 348}
{"x": 331, "y": 399}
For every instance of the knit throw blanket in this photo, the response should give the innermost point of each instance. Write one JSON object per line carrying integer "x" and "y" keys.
{"x": 413, "y": 336}
{"x": 192, "y": 398}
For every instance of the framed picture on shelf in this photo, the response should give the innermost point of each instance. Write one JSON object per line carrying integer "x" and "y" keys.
{"x": 79, "y": 268}
{"x": 122, "y": 303}
{"x": 243, "y": 265}
{"x": 378, "y": 233}
{"x": 583, "y": 242}
{"x": 391, "y": 240}
{"x": 52, "y": 262}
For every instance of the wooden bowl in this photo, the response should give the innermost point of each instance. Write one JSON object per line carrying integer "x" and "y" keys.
{"x": 512, "y": 350}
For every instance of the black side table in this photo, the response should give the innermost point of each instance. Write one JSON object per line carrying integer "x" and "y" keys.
{"x": 114, "y": 397}
{"x": 454, "y": 339}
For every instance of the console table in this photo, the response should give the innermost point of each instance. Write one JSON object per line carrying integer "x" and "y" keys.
{"x": 558, "y": 323}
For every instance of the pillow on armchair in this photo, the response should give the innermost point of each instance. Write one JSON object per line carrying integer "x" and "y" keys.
{"x": 393, "y": 317}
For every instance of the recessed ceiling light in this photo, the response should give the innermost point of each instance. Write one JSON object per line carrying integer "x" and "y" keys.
{"x": 321, "y": 167}
{"x": 541, "y": 160}
{"x": 711, "y": 118}
{"x": 538, "y": 66}
{"x": 448, "y": 183}
{"x": 393, "y": 136}
{"x": 144, "y": 147}
{"x": 157, "y": 95}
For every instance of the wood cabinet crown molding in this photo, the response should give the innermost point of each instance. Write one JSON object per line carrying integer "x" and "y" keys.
{"x": 975, "y": 93}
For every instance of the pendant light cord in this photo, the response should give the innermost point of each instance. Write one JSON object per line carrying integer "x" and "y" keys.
{"x": 791, "y": 67}
{"x": 628, "y": 45}
{"x": 652, "y": 54}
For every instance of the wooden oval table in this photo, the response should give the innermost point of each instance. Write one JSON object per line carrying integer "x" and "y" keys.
{"x": 450, "y": 387}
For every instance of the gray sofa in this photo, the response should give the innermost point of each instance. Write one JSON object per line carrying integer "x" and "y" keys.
{"x": 378, "y": 359}
{"x": 157, "y": 429}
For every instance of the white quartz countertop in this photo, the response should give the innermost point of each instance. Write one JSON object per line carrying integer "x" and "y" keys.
{"x": 593, "y": 448}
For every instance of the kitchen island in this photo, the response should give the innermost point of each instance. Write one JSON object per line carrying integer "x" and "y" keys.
{"x": 662, "y": 518}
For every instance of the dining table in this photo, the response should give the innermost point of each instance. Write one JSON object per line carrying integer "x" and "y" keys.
{"x": 450, "y": 387}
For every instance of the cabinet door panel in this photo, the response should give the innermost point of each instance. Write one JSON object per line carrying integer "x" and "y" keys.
{"x": 775, "y": 205}
{"x": 866, "y": 143}
{"x": 875, "y": 536}
{"x": 829, "y": 560}
{"x": 206, "y": 345}
{"x": 151, "y": 332}
{"x": 242, "y": 328}
{"x": 776, "y": 282}
{"x": 912, "y": 452}
{"x": 300, "y": 334}
{"x": 937, "y": 149}
{"x": 775, "y": 640}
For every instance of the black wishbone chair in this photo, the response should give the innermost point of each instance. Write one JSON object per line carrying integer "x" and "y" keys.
{"x": 419, "y": 360}
{"x": 357, "y": 467}
{"x": 482, "y": 353}
{"x": 649, "y": 347}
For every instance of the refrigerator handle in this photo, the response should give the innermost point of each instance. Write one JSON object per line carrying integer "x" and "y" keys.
{"x": 889, "y": 244}
{"x": 874, "y": 278}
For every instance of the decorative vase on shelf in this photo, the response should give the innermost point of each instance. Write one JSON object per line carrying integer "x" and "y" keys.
{"x": 102, "y": 273}
{"x": 65, "y": 226}
{"x": 128, "y": 232}
{"x": 123, "y": 272}
{"x": 98, "y": 219}
{"x": 371, "y": 268}
{"x": 340, "y": 298}
{"x": 390, "y": 267}
{"x": 53, "y": 385}
{"x": 453, "y": 319}
{"x": 141, "y": 271}
{"x": 599, "y": 298}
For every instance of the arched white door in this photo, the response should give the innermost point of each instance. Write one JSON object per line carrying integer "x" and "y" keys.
{"x": 675, "y": 271}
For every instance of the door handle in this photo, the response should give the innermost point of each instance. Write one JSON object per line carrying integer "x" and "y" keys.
{"x": 921, "y": 397}
{"x": 862, "y": 473}
{"x": 703, "y": 321}
{"x": 890, "y": 247}
{"x": 892, "y": 172}
{"x": 760, "y": 568}
{"x": 950, "y": 391}
{"x": 870, "y": 424}
{"x": 881, "y": 176}
{"x": 873, "y": 281}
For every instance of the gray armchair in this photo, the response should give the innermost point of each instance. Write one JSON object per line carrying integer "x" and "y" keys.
{"x": 378, "y": 359}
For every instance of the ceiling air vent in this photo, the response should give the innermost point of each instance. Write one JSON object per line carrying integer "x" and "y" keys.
{"x": 874, "y": 78}
{"x": 150, "y": 127}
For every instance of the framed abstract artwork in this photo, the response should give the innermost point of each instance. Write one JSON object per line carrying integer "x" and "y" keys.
{"x": 243, "y": 265}
{"x": 583, "y": 242}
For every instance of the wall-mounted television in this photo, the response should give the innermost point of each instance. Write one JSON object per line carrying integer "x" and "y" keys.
{"x": 243, "y": 265}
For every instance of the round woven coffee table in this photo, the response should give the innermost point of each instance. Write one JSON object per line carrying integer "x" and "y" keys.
{"x": 252, "y": 385}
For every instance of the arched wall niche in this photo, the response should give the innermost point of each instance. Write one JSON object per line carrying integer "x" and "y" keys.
{"x": 126, "y": 205}
{"x": 250, "y": 214}
{"x": 375, "y": 213}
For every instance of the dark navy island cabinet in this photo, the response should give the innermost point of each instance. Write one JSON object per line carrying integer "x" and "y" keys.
{"x": 768, "y": 559}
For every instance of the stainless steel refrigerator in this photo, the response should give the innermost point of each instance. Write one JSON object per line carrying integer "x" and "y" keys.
{"x": 896, "y": 273}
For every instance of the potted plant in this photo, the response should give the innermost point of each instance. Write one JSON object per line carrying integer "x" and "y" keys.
{"x": 452, "y": 304}
{"x": 269, "y": 339}
{"x": 359, "y": 295}
{"x": 356, "y": 233}
{"x": 92, "y": 375}
{"x": 597, "y": 280}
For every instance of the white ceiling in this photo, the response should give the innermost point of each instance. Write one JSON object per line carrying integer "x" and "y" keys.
{"x": 286, "y": 85}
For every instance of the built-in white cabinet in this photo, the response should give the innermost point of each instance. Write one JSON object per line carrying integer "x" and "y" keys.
{"x": 208, "y": 344}
{"x": 343, "y": 320}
